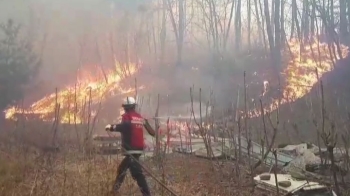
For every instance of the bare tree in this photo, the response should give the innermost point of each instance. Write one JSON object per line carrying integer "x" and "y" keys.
{"x": 229, "y": 24}
{"x": 343, "y": 21}
{"x": 305, "y": 19}
{"x": 348, "y": 15}
{"x": 295, "y": 21}
{"x": 272, "y": 14}
{"x": 249, "y": 22}
{"x": 238, "y": 25}
{"x": 178, "y": 29}
{"x": 282, "y": 18}
{"x": 262, "y": 21}
{"x": 268, "y": 26}
{"x": 163, "y": 32}
{"x": 277, "y": 34}
{"x": 313, "y": 19}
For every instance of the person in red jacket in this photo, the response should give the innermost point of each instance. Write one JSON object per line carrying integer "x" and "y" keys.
{"x": 131, "y": 129}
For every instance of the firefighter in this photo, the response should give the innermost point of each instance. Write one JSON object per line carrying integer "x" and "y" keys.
{"x": 131, "y": 129}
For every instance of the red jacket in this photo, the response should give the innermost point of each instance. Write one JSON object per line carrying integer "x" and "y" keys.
{"x": 132, "y": 137}
{"x": 131, "y": 129}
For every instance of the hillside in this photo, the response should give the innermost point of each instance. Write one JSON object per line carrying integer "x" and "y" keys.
{"x": 298, "y": 118}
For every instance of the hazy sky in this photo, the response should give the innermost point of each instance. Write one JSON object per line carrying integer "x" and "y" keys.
{"x": 67, "y": 23}
{"x": 64, "y": 22}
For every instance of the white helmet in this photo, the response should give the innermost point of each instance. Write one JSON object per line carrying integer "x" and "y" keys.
{"x": 129, "y": 101}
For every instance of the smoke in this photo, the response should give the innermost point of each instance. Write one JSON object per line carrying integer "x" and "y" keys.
{"x": 89, "y": 35}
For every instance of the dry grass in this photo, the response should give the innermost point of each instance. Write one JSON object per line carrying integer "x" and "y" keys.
{"x": 27, "y": 170}
{"x": 73, "y": 175}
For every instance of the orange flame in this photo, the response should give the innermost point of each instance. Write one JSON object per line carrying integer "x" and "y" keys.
{"x": 74, "y": 101}
{"x": 300, "y": 73}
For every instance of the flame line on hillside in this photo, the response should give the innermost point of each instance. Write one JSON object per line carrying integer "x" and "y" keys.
{"x": 73, "y": 99}
{"x": 302, "y": 72}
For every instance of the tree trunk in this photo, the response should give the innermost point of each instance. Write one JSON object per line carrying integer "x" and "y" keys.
{"x": 323, "y": 26}
{"x": 343, "y": 23}
{"x": 292, "y": 29}
{"x": 260, "y": 29}
{"x": 181, "y": 33}
{"x": 229, "y": 24}
{"x": 262, "y": 23}
{"x": 348, "y": 15}
{"x": 283, "y": 33}
{"x": 178, "y": 30}
{"x": 154, "y": 39}
{"x": 214, "y": 26}
{"x": 295, "y": 19}
{"x": 330, "y": 150}
{"x": 277, "y": 49}
{"x": 331, "y": 8}
{"x": 163, "y": 33}
{"x": 268, "y": 26}
{"x": 249, "y": 21}
{"x": 238, "y": 24}
{"x": 313, "y": 18}
{"x": 272, "y": 17}
{"x": 305, "y": 20}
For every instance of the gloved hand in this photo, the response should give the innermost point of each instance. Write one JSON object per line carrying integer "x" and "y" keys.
{"x": 108, "y": 127}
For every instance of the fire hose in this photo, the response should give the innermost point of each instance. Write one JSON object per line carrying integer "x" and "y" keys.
{"x": 150, "y": 173}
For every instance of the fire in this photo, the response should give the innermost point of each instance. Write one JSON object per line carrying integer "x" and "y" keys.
{"x": 300, "y": 73}
{"x": 77, "y": 103}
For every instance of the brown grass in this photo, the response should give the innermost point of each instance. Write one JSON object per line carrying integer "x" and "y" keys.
{"x": 71, "y": 174}
{"x": 28, "y": 167}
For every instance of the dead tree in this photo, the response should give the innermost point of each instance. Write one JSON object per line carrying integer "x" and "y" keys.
{"x": 163, "y": 33}
{"x": 179, "y": 29}
{"x": 238, "y": 25}
{"x": 343, "y": 21}
{"x": 295, "y": 21}
{"x": 268, "y": 26}
{"x": 277, "y": 48}
{"x": 226, "y": 35}
{"x": 313, "y": 20}
{"x": 348, "y": 14}
{"x": 305, "y": 19}
{"x": 249, "y": 22}
{"x": 262, "y": 37}
{"x": 329, "y": 138}
{"x": 283, "y": 33}
{"x": 262, "y": 22}
{"x": 229, "y": 25}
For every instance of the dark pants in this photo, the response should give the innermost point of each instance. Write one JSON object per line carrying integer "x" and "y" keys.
{"x": 132, "y": 162}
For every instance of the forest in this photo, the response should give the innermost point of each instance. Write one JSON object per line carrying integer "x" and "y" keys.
{"x": 273, "y": 72}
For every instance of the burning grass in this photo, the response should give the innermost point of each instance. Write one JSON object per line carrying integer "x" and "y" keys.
{"x": 74, "y": 100}
{"x": 305, "y": 66}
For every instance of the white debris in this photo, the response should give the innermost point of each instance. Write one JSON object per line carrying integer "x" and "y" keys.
{"x": 288, "y": 184}
{"x": 300, "y": 148}
{"x": 299, "y": 163}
